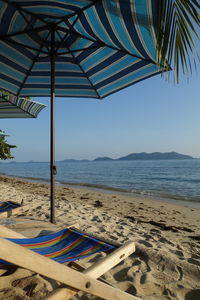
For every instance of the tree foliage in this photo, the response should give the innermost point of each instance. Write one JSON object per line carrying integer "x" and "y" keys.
{"x": 178, "y": 24}
{"x": 7, "y": 93}
{"x": 5, "y": 148}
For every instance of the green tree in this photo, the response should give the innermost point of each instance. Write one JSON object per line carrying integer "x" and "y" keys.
{"x": 5, "y": 148}
{"x": 7, "y": 93}
{"x": 177, "y": 29}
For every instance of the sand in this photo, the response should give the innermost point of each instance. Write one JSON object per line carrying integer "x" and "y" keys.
{"x": 166, "y": 264}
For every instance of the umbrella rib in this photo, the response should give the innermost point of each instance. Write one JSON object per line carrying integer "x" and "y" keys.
{"x": 35, "y": 31}
{"x": 20, "y": 9}
{"x": 63, "y": 40}
{"x": 80, "y": 11}
{"x": 75, "y": 59}
{"x": 30, "y": 69}
{"x": 79, "y": 34}
{"x": 77, "y": 50}
{"x": 24, "y": 32}
{"x": 29, "y": 23}
{"x": 25, "y": 11}
{"x": 66, "y": 34}
{"x": 77, "y": 63}
{"x": 25, "y": 46}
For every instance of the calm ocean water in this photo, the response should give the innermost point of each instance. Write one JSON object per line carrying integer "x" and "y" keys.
{"x": 177, "y": 179}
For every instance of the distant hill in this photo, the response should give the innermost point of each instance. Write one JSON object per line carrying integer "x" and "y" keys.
{"x": 73, "y": 160}
{"x": 105, "y": 158}
{"x": 138, "y": 156}
{"x": 147, "y": 156}
{"x": 155, "y": 155}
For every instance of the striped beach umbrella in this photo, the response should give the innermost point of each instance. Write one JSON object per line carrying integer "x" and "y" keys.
{"x": 75, "y": 48}
{"x": 17, "y": 107}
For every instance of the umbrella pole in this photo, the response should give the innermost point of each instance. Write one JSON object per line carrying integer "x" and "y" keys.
{"x": 52, "y": 130}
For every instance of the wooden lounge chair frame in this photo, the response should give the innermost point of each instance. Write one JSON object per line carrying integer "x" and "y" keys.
{"x": 15, "y": 211}
{"x": 74, "y": 280}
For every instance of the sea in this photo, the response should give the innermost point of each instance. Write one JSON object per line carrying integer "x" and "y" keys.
{"x": 168, "y": 180}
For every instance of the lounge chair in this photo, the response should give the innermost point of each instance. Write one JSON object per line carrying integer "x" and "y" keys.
{"x": 11, "y": 251}
{"x": 10, "y": 208}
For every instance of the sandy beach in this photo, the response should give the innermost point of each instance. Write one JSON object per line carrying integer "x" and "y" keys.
{"x": 166, "y": 264}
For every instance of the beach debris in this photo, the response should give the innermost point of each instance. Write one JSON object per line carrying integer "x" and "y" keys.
{"x": 131, "y": 218}
{"x": 161, "y": 225}
{"x": 195, "y": 237}
{"x": 171, "y": 228}
{"x": 85, "y": 196}
{"x": 98, "y": 203}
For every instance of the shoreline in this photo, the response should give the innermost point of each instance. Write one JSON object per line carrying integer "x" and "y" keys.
{"x": 166, "y": 264}
{"x": 111, "y": 190}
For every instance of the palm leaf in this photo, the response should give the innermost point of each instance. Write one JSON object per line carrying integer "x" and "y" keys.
{"x": 176, "y": 29}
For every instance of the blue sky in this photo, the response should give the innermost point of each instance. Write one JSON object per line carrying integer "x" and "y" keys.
{"x": 153, "y": 115}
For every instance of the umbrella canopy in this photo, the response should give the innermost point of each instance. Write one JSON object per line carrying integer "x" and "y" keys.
{"x": 75, "y": 48}
{"x": 16, "y": 107}
{"x": 99, "y": 46}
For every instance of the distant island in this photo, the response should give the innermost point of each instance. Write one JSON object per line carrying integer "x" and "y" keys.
{"x": 73, "y": 160}
{"x": 105, "y": 158}
{"x": 132, "y": 156}
{"x": 148, "y": 156}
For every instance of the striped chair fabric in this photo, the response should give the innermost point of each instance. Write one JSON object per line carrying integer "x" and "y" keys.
{"x": 64, "y": 246}
{"x": 7, "y": 206}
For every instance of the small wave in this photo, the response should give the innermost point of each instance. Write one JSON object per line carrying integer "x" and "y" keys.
{"x": 142, "y": 193}
{"x": 156, "y": 194}
{"x": 136, "y": 192}
{"x": 40, "y": 179}
{"x": 133, "y": 192}
{"x": 94, "y": 186}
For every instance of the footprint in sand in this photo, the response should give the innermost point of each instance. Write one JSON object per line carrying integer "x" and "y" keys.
{"x": 122, "y": 275}
{"x": 131, "y": 290}
{"x": 194, "y": 262}
{"x": 193, "y": 295}
{"x": 113, "y": 237}
{"x": 101, "y": 229}
{"x": 145, "y": 243}
{"x": 177, "y": 252}
{"x": 165, "y": 241}
{"x": 188, "y": 294}
{"x": 32, "y": 285}
{"x": 136, "y": 266}
{"x": 146, "y": 287}
{"x": 127, "y": 287}
{"x": 162, "y": 278}
{"x": 155, "y": 231}
{"x": 196, "y": 256}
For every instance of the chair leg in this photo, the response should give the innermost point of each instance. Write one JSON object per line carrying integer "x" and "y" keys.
{"x": 96, "y": 270}
{"x": 14, "y": 211}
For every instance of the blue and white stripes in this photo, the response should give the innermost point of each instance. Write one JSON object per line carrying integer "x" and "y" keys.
{"x": 17, "y": 107}
{"x": 101, "y": 46}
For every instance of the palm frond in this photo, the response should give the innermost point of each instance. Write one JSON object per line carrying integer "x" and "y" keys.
{"x": 177, "y": 29}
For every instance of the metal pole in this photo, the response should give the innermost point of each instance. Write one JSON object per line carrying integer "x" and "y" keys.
{"x": 52, "y": 130}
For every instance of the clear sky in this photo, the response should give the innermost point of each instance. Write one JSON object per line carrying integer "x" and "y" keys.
{"x": 153, "y": 115}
